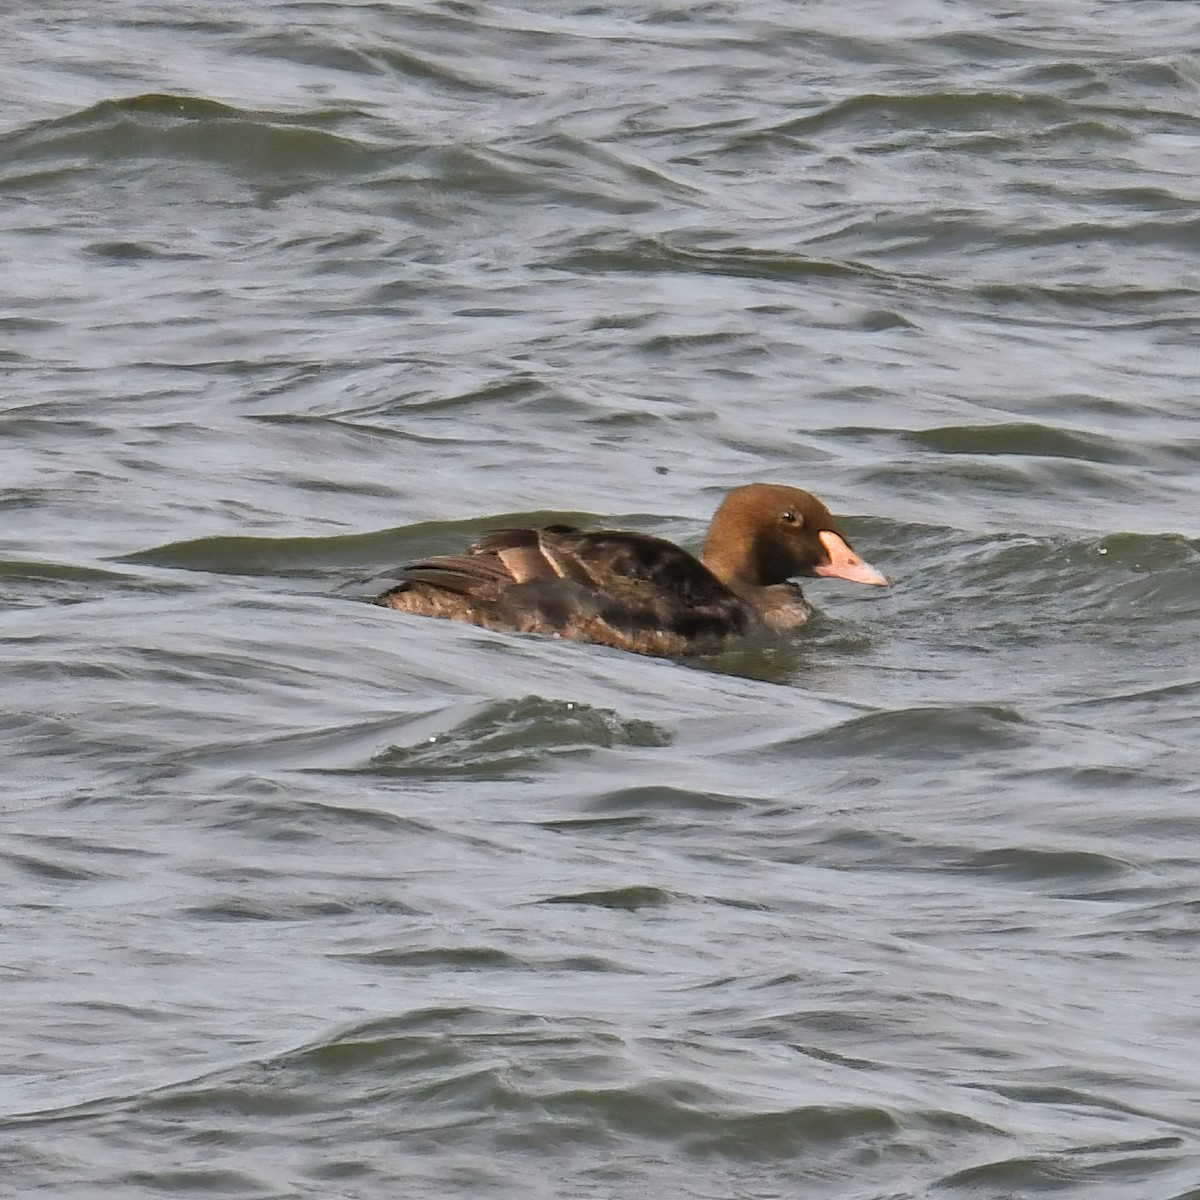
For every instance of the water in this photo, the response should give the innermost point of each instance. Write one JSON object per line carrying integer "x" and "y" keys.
{"x": 308, "y": 898}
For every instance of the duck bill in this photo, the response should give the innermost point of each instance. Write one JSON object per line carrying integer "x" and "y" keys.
{"x": 845, "y": 564}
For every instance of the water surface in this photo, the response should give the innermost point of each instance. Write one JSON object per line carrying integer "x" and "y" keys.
{"x": 308, "y": 898}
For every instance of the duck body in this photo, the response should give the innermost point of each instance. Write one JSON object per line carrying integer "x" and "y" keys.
{"x": 636, "y": 592}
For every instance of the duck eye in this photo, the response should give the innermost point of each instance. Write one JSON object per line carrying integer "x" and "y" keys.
{"x": 789, "y": 517}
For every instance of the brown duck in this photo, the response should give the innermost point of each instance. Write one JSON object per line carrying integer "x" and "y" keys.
{"x": 636, "y": 592}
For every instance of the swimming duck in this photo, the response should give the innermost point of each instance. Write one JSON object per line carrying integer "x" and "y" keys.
{"x": 633, "y": 591}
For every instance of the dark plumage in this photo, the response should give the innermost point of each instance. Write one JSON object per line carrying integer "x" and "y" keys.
{"x": 636, "y": 592}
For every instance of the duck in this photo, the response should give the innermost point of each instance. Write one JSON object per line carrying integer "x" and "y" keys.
{"x": 641, "y": 593}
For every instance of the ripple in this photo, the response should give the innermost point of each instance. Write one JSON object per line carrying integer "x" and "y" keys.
{"x": 476, "y": 958}
{"x": 1027, "y": 865}
{"x": 922, "y": 733}
{"x": 51, "y": 869}
{"x": 1022, "y": 439}
{"x": 771, "y": 1136}
{"x": 145, "y": 127}
{"x": 652, "y": 256}
{"x": 300, "y": 556}
{"x": 658, "y": 798}
{"x": 879, "y": 113}
{"x": 630, "y": 898}
{"x": 515, "y": 735}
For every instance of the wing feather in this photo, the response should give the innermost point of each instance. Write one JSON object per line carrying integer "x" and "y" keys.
{"x": 629, "y": 590}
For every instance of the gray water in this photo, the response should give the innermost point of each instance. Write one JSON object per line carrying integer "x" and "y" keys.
{"x": 306, "y": 898}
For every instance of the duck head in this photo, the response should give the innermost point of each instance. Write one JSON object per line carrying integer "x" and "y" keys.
{"x": 765, "y": 533}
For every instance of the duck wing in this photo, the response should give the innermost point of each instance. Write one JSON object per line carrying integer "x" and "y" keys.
{"x": 621, "y": 588}
{"x": 628, "y": 590}
{"x": 634, "y": 567}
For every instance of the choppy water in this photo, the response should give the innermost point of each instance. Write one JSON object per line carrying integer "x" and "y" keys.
{"x": 307, "y": 898}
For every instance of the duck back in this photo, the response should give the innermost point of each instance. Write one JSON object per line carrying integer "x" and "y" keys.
{"x": 631, "y": 591}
